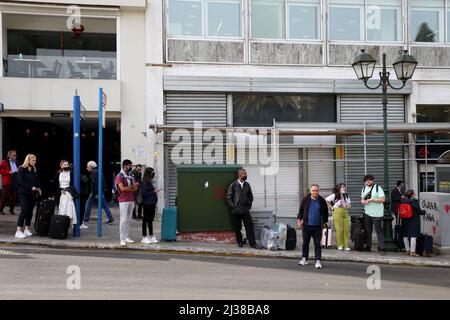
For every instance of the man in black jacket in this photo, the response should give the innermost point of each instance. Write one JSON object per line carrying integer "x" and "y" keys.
{"x": 397, "y": 194}
{"x": 240, "y": 199}
{"x": 312, "y": 216}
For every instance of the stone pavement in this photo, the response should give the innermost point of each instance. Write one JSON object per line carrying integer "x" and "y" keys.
{"x": 110, "y": 240}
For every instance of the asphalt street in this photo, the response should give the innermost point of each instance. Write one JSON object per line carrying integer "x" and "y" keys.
{"x": 42, "y": 273}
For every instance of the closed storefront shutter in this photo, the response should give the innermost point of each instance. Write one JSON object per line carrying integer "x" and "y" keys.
{"x": 321, "y": 169}
{"x": 182, "y": 109}
{"x": 359, "y": 108}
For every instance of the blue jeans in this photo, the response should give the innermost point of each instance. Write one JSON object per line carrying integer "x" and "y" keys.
{"x": 90, "y": 200}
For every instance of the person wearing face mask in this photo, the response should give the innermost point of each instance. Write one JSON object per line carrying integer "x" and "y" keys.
{"x": 339, "y": 203}
{"x": 64, "y": 191}
{"x": 126, "y": 186}
{"x": 373, "y": 197}
{"x": 149, "y": 201}
{"x": 239, "y": 199}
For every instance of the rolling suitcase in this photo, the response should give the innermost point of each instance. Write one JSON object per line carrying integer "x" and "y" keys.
{"x": 59, "y": 227}
{"x": 291, "y": 238}
{"x": 424, "y": 244}
{"x": 359, "y": 240}
{"x": 169, "y": 224}
{"x": 281, "y": 228}
{"x": 357, "y": 223}
{"x": 398, "y": 236}
{"x": 325, "y": 242}
{"x": 44, "y": 212}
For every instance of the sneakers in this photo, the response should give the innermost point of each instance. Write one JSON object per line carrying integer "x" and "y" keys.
{"x": 146, "y": 240}
{"x": 123, "y": 243}
{"x": 27, "y": 233}
{"x": 109, "y": 222}
{"x": 128, "y": 240}
{"x": 318, "y": 264}
{"x": 84, "y": 226}
{"x": 303, "y": 262}
{"x": 340, "y": 248}
{"x": 153, "y": 240}
{"x": 20, "y": 235}
{"x": 347, "y": 249}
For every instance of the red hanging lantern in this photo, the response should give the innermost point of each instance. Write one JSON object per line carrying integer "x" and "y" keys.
{"x": 77, "y": 31}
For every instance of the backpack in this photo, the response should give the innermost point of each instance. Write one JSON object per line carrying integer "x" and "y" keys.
{"x": 369, "y": 195}
{"x": 405, "y": 211}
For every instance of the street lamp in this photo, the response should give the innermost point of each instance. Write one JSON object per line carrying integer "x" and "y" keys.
{"x": 404, "y": 66}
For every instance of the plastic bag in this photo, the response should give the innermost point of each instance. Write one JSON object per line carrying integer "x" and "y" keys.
{"x": 270, "y": 239}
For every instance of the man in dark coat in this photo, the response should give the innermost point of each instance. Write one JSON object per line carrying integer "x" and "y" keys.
{"x": 312, "y": 217}
{"x": 240, "y": 199}
{"x": 397, "y": 194}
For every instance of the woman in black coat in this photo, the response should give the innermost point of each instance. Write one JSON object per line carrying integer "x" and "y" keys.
{"x": 411, "y": 226}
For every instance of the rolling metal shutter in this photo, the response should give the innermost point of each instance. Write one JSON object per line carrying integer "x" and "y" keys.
{"x": 183, "y": 109}
{"x": 287, "y": 182}
{"x": 321, "y": 171}
{"x": 357, "y": 108}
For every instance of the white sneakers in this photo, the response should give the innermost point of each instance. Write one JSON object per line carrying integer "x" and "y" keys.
{"x": 128, "y": 240}
{"x": 149, "y": 240}
{"x": 340, "y": 248}
{"x": 123, "y": 243}
{"x": 27, "y": 233}
{"x": 20, "y": 235}
{"x": 347, "y": 249}
{"x": 84, "y": 226}
{"x": 304, "y": 262}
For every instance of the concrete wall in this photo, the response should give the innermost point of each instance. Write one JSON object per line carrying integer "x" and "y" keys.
{"x": 286, "y": 53}
{"x": 132, "y": 46}
{"x": 205, "y": 51}
{"x": 56, "y": 94}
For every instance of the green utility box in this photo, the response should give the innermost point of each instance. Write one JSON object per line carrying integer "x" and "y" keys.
{"x": 201, "y": 197}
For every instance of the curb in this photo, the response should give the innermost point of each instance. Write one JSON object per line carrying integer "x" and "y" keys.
{"x": 158, "y": 248}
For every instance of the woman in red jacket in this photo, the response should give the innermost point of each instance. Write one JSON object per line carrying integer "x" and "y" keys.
{"x": 8, "y": 170}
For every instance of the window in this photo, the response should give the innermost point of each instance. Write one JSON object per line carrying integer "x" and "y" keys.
{"x": 224, "y": 19}
{"x": 303, "y": 19}
{"x": 346, "y": 20}
{"x": 270, "y": 19}
{"x": 198, "y": 18}
{"x": 255, "y": 110}
{"x": 427, "y": 21}
{"x": 383, "y": 20}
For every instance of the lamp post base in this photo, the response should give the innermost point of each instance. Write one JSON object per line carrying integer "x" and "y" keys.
{"x": 389, "y": 242}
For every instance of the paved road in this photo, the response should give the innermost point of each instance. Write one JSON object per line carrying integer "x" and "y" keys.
{"x": 37, "y": 273}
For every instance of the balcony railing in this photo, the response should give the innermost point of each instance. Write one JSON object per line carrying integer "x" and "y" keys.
{"x": 73, "y": 64}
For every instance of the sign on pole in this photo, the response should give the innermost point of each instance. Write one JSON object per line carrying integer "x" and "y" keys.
{"x": 104, "y": 103}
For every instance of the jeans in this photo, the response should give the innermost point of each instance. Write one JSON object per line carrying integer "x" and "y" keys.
{"x": 149, "y": 216}
{"x": 126, "y": 210}
{"x": 316, "y": 233}
{"x": 369, "y": 222}
{"x": 27, "y": 205}
{"x": 105, "y": 207}
{"x": 237, "y": 220}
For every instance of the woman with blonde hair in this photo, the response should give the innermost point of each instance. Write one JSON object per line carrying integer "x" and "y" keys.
{"x": 28, "y": 189}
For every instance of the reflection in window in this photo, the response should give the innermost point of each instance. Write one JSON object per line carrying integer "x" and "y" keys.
{"x": 255, "y": 110}
{"x": 186, "y": 17}
{"x": 346, "y": 21}
{"x": 268, "y": 19}
{"x": 427, "y": 21}
{"x": 384, "y": 20}
{"x": 434, "y": 113}
{"x": 304, "y": 19}
{"x": 224, "y": 19}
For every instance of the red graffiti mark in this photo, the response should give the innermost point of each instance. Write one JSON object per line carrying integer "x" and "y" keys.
{"x": 219, "y": 193}
{"x": 434, "y": 229}
{"x": 422, "y": 152}
{"x": 447, "y": 208}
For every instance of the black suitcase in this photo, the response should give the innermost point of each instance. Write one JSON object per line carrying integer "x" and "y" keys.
{"x": 44, "y": 212}
{"x": 398, "y": 235}
{"x": 424, "y": 245}
{"x": 357, "y": 223}
{"x": 359, "y": 240}
{"x": 59, "y": 227}
{"x": 291, "y": 238}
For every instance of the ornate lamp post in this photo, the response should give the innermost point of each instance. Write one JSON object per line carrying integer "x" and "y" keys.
{"x": 404, "y": 66}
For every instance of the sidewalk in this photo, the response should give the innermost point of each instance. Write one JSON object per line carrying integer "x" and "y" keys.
{"x": 110, "y": 240}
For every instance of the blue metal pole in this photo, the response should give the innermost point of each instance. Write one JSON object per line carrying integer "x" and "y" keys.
{"x": 76, "y": 159}
{"x": 100, "y": 160}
